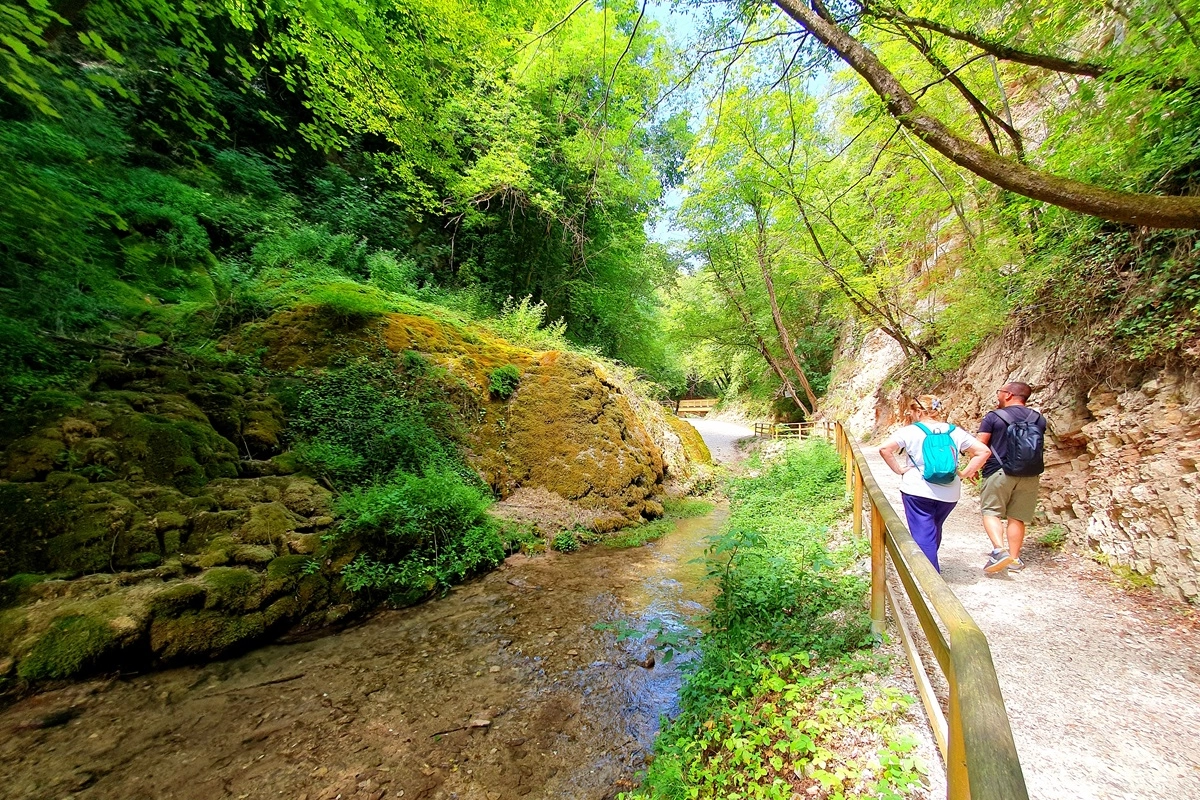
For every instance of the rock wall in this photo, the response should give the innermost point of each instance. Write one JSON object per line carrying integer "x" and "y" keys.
{"x": 1121, "y": 462}
{"x": 155, "y": 514}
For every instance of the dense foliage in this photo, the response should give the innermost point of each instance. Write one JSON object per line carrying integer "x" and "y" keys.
{"x": 171, "y": 170}
{"x": 802, "y": 173}
{"x": 779, "y": 684}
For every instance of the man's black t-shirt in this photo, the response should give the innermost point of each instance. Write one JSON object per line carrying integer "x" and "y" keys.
{"x": 993, "y": 424}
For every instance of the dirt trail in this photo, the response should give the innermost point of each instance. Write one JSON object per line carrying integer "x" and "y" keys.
{"x": 721, "y": 438}
{"x": 1102, "y": 686}
{"x": 503, "y": 689}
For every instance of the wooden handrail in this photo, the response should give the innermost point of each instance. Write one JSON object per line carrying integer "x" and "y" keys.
{"x": 974, "y": 734}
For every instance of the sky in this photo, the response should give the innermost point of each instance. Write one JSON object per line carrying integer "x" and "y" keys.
{"x": 679, "y": 26}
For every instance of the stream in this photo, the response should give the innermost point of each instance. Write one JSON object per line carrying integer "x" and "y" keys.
{"x": 502, "y": 689}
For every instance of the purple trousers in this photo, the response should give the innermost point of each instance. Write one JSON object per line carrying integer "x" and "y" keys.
{"x": 925, "y": 518}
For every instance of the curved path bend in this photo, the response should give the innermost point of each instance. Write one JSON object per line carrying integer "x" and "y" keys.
{"x": 721, "y": 437}
{"x": 1102, "y": 686}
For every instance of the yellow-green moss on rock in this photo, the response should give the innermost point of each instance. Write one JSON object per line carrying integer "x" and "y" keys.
{"x": 571, "y": 431}
{"x": 693, "y": 443}
{"x": 72, "y": 645}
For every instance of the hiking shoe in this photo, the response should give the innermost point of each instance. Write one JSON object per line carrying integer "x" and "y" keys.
{"x": 998, "y": 561}
{"x": 1017, "y": 565}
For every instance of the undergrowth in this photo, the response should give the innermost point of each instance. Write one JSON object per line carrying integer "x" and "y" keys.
{"x": 383, "y": 432}
{"x": 784, "y": 700}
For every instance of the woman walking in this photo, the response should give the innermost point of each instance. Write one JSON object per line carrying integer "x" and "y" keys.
{"x": 929, "y": 478}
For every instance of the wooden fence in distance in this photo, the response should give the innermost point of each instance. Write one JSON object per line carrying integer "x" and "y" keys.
{"x": 699, "y": 407}
{"x": 790, "y": 430}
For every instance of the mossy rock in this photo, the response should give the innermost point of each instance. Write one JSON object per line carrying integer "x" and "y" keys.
{"x": 34, "y": 457}
{"x": 284, "y": 574}
{"x": 283, "y": 610}
{"x": 234, "y": 589}
{"x": 252, "y": 554}
{"x": 178, "y": 598}
{"x": 571, "y": 431}
{"x": 208, "y": 526}
{"x": 269, "y": 524}
{"x": 693, "y": 443}
{"x": 14, "y": 590}
{"x": 72, "y": 646}
{"x": 177, "y": 452}
{"x": 203, "y": 634}
{"x": 313, "y": 591}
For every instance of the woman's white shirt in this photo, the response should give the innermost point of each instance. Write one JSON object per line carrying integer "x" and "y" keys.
{"x": 910, "y": 438}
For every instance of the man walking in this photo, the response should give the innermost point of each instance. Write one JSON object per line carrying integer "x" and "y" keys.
{"x": 1016, "y": 436}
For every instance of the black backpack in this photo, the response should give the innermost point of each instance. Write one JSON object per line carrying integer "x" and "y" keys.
{"x": 1023, "y": 443}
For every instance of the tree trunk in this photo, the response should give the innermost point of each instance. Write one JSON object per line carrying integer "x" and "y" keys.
{"x": 1152, "y": 211}
{"x": 759, "y": 343}
{"x": 776, "y": 316}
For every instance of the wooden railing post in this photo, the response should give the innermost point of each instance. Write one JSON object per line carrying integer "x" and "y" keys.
{"x": 878, "y": 569}
{"x": 858, "y": 505}
{"x": 958, "y": 784}
{"x": 849, "y": 459}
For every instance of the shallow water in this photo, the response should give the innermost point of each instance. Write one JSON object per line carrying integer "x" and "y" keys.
{"x": 502, "y": 689}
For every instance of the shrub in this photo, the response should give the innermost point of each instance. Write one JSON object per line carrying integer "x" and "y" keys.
{"x": 1054, "y": 538}
{"x": 565, "y": 542}
{"x": 362, "y": 422}
{"x": 503, "y": 381}
{"x": 420, "y": 533}
{"x": 784, "y": 655}
{"x": 523, "y": 322}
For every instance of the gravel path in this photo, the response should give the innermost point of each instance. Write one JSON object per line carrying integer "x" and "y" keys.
{"x": 1102, "y": 686}
{"x": 721, "y": 437}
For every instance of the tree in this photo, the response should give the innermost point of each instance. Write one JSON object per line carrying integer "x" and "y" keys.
{"x": 1139, "y": 209}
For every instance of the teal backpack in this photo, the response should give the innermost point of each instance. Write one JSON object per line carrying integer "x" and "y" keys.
{"x": 940, "y": 456}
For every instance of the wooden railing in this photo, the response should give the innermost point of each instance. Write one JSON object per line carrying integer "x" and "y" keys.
{"x": 973, "y": 732}
{"x": 789, "y": 430}
{"x": 701, "y": 406}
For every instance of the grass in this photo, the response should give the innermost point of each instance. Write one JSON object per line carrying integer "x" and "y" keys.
{"x": 786, "y": 697}
{"x": 640, "y": 535}
{"x": 685, "y": 507}
{"x": 674, "y": 508}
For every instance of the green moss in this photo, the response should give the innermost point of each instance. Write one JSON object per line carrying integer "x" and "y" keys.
{"x": 232, "y": 588}
{"x": 312, "y": 590}
{"x": 253, "y": 554}
{"x": 203, "y": 634}
{"x": 70, "y": 647}
{"x": 283, "y": 610}
{"x": 145, "y": 560}
{"x": 13, "y": 623}
{"x": 268, "y": 523}
{"x": 285, "y": 572}
{"x": 176, "y": 599}
{"x": 285, "y": 463}
{"x": 11, "y": 590}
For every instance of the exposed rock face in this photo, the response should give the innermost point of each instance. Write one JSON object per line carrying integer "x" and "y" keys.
{"x": 154, "y": 517}
{"x": 1121, "y": 474}
{"x": 570, "y": 428}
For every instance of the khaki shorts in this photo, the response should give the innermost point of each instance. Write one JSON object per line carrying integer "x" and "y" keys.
{"x": 1012, "y": 498}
